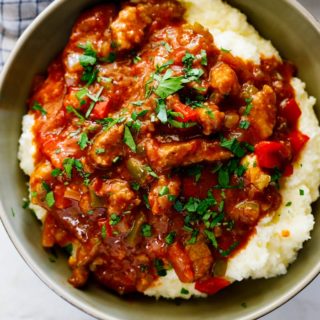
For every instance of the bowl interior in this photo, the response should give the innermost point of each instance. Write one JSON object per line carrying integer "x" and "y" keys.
{"x": 296, "y": 38}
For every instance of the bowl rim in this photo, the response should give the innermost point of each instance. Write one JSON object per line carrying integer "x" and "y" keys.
{"x": 58, "y": 289}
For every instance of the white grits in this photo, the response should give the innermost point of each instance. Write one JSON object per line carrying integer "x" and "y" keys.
{"x": 280, "y": 235}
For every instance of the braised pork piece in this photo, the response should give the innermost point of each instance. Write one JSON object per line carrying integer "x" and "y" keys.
{"x": 156, "y": 149}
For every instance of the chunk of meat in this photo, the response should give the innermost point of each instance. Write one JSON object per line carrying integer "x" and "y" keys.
{"x": 247, "y": 212}
{"x": 168, "y": 155}
{"x": 160, "y": 192}
{"x": 264, "y": 112}
{"x": 118, "y": 195}
{"x": 128, "y": 28}
{"x": 210, "y": 118}
{"x": 254, "y": 175}
{"x": 106, "y": 146}
{"x": 201, "y": 258}
{"x": 224, "y": 79}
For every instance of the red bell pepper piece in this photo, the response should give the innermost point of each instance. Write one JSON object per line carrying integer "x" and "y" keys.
{"x": 298, "y": 141}
{"x": 60, "y": 201}
{"x": 270, "y": 154}
{"x": 290, "y": 111}
{"x": 181, "y": 262}
{"x": 101, "y": 109}
{"x": 189, "y": 115}
{"x": 211, "y": 285}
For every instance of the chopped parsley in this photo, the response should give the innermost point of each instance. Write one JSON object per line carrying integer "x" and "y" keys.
{"x": 194, "y": 236}
{"x": 136, "y": 59}
{"x": 249, "y": 106}
{"x": 234, "y": 146}
{"x": 37, "y": 107}
{"x": 210, "y": 235}
{"x": 103, "y": 231}
{"x": 169, "y": 239}
{"x": 226, "y": 253}
{"x": 94, "y": 99}
{"x": 288, "y": 204}
{"x": 195, "y": 171}
{"x": 204, "y": 58}
{"x": 114, "y": 219}
{"x": 25, "y": 203}
{"x": 161, "y": 271}
{"x": 244, "y": 124}
{"x": 56, "y": 172}
{"x": 83, "y": 141}
{"x": 146, "y": 230}
{"x": 50, "y": 199}
{"x": 71, "y": 109}
{"x": 88, "y": 61}
{"x": 223, "y": 177}
{"x": 301, "y": 192}
{"x": 162, "y": 111}
{"x": 135, "y": 186}
{"x": 146, "y": 201}
{"x": 225, "y": 50}
{"x": 168, "y": 85}
{"x": 184, "y": 291}
{"x": 137, "y": 103}
{"x": 100, "y": 151}
{"x": 128, "y": 139}
{"x": 151, "y": 172}
{"x": 164, "y": 191}
{"x": 188, "y": 60}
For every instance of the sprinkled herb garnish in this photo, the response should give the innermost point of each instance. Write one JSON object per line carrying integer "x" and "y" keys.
{"x": 169, "y": 239}
{"x": 128, "y": 139}
{"x": 83, "y": 141}
{"x": 146, "y": 230}
{"x": 184, "y": 291}
{"x": 114, "y": 219}
{"x": 161, "y": 271}
{"x": 50, "y": 199}
{"x": 37, "y": 107}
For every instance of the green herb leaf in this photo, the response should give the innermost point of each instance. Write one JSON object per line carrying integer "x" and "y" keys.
{"x": 204, "y": 58}
{"x": 128, "y": 139}
{"x": 169, "y": 239}
{"x": 161, "y": 271}
{"x": 100, "y": 151}
{"x": 38, "y": 107}
{"x": 244, "y": 124}
{"x": 234, "y": 146}
{"x": 83, "y": 141}
{"x": 146, "y": 230}
{"x": 71, "y": 109}
{"x": 103, "y": 231}
{"x": 164, "y": 191}
{"x": 168, "y": 85}
{"x": 211, "y": 237}
{"x": 188, "y": 60}
{"x": 138, "y": 103}
{"x": 223, "y": 177}
{"x": 50, "y": 199}
{"x": 184, "y": 291}
{"x": 114, "y": 219}
{"x": 135, "y": 186}
{"x": 301, "y": 192}
{"x": 162, "y": 111}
